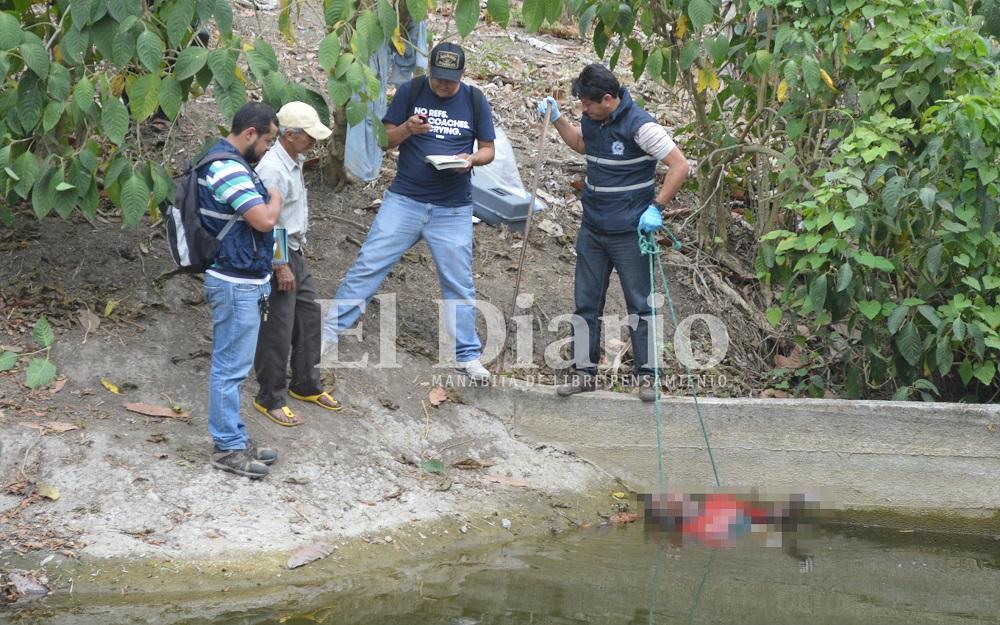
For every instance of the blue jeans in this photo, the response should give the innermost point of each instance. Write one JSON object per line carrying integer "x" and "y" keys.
{"x": 235, "y": 322}
{"x": 596, "y": 255}
{"x": 402, "y": 222}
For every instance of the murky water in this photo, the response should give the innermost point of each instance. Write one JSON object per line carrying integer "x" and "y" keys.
{"x": 618, "y": 576}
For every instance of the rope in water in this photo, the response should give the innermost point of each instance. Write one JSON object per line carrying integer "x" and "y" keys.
{"x": 649, "y": 247}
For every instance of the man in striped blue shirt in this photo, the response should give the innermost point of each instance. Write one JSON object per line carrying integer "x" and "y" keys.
{"x": 238, "y": 283}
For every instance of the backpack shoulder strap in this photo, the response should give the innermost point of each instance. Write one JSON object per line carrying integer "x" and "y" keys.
{"x": 416, "y": 88}
{"x": 477, "y": 101}
{"x": 211, "y": 157}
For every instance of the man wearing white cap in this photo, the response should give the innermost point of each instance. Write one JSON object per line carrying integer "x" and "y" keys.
{"x": 293, "y": 321}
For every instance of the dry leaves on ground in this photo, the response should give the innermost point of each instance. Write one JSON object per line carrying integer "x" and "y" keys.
{"x": 437, "y": 396}
{"x": 309, "y": 553}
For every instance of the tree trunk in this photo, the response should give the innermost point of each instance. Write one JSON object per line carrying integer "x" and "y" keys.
{"x": 336, "y": 175}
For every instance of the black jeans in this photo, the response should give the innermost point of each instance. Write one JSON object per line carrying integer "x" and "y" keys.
{"x": 596, "y": 255}
{"x": 294, "y": 323}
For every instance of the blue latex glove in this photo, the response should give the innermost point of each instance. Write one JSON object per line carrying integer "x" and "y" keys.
{"x": 553, "y": 107}
{"x": 651, "y": 220}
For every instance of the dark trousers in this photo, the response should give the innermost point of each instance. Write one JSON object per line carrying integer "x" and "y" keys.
{"x": 294, "y": 323}
{"x": 596, "y": 255}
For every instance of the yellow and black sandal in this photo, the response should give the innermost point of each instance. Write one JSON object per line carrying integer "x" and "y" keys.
{"x": 287, "y": 419}
{"x": 323, "y": 400}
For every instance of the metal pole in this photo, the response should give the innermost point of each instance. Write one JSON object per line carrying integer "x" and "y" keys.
{"x": 527, "y": 232}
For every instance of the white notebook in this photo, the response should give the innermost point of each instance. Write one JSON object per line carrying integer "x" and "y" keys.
{"x": 442, "y": 161}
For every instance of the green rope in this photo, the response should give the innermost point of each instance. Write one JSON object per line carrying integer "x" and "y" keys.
{"x": 649, "y": 247}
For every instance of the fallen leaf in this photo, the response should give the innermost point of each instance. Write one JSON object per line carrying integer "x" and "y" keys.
{"x": 17, "y": 349}
{"x": 433, "y": 466}
{"x": 89, "y": 321}
{"x": 111, "y": 386}
{"x": 471, "y": 464}
{"x": 773, "y": 393}
{"x": 48, "y": 491}
{"x": 991, "y": 428}
{"x": 157, "y": 437}
{"x": 624, "y": 517}
{"x": 151, "y": 410}
{"x": 52, "y": 426}
{"x": 58, "y": 385}
{"x": 110, "y": 306}
{"x": 618, "y": 495}
{"x": 792, "y": 361}
{"x": 506, "y": 481}
{"x": 437, "y": 396}
{"x": 309, "y": 553}
{"x": 551, "y": 228}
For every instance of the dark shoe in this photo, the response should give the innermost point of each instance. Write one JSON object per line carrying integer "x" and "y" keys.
{"x": 647, "y": 388}
{"x": 578, "y": 383}
{"x": 261, "y": 454}
{"x": 240, "y": 462}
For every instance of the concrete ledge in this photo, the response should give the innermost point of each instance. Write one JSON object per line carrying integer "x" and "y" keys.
{"x": 866, "y": 454}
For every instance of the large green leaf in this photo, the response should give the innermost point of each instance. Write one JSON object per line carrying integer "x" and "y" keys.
{"x": 224, "y": 17}
{"x": 897, "y": 317}
{"x": 467, "y": 16}
{"x": 329, "y": 51}
{"x": 230, "y": 98}
{"x": 123, "y": 48}
{"x": 275, "y": 89}
{"x": 52, "y": 115}
{"x": 817, "y": 292}
{"x": 179, "y": 18}
{"x": 356, "y": 112}
{"x": 499, "y": 10}
{"x": 718, "y": 48}
{"x": 83, "y": 94}
{"x": 985, "y": 372}
{"x": 80, "y": 10}
{"x": 417, "y": 9}
{"x": 7, "y": 361}
{"x": 30, "y": 100}
{"x": 844, "y": 277}
{"x": 944, "y": 356}
{"x": 909, "y": 344}
{"x": 36, "y": 58}
{"x": 144, "y": 96}
{"x": 135, "y": 200}
{"x": 262, "y": 59}
{"x": 40, "y": 373}
{"x": 892, "y": 194}
{"x": 74, "y": 44}
{"x": 43, "y": 199}
{"x": 114, "y": 119}
{"x": 10, "y": 31}
{"x": 190, "y": 61}
{"x": 27, "y": 169}
{"x": 533, "y": 14}
{"x": 149, "y": 48}
{"x": 701, "y": 13}
{"x": 368, "y": 35}
{"x": 58, "y": 85}
{"x": 43, "y": 333}
{"x": 223, "y": 65}
{"x": 171, "y": 96}
{"x": 386, "y": 17}
{"x": 340, "y": 91}
{"x": 811, "y": 72}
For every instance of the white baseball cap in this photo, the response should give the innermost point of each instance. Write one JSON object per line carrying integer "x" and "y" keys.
{"x": 304, "y": 117}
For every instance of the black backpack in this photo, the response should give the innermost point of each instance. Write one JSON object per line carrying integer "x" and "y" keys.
{"x": 420, "y": 82}
{"x": 191, "y": 246}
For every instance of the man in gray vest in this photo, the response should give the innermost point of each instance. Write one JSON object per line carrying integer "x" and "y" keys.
{"x": 623, "y": 144}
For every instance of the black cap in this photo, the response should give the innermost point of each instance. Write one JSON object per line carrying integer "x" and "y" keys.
{"x": 447, "y": 61}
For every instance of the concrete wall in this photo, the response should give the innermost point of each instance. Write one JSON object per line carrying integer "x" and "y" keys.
{"x": 902, "y": 455}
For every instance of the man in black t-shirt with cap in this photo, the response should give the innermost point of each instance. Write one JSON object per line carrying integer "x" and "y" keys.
{"x": 436, "y": 115}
